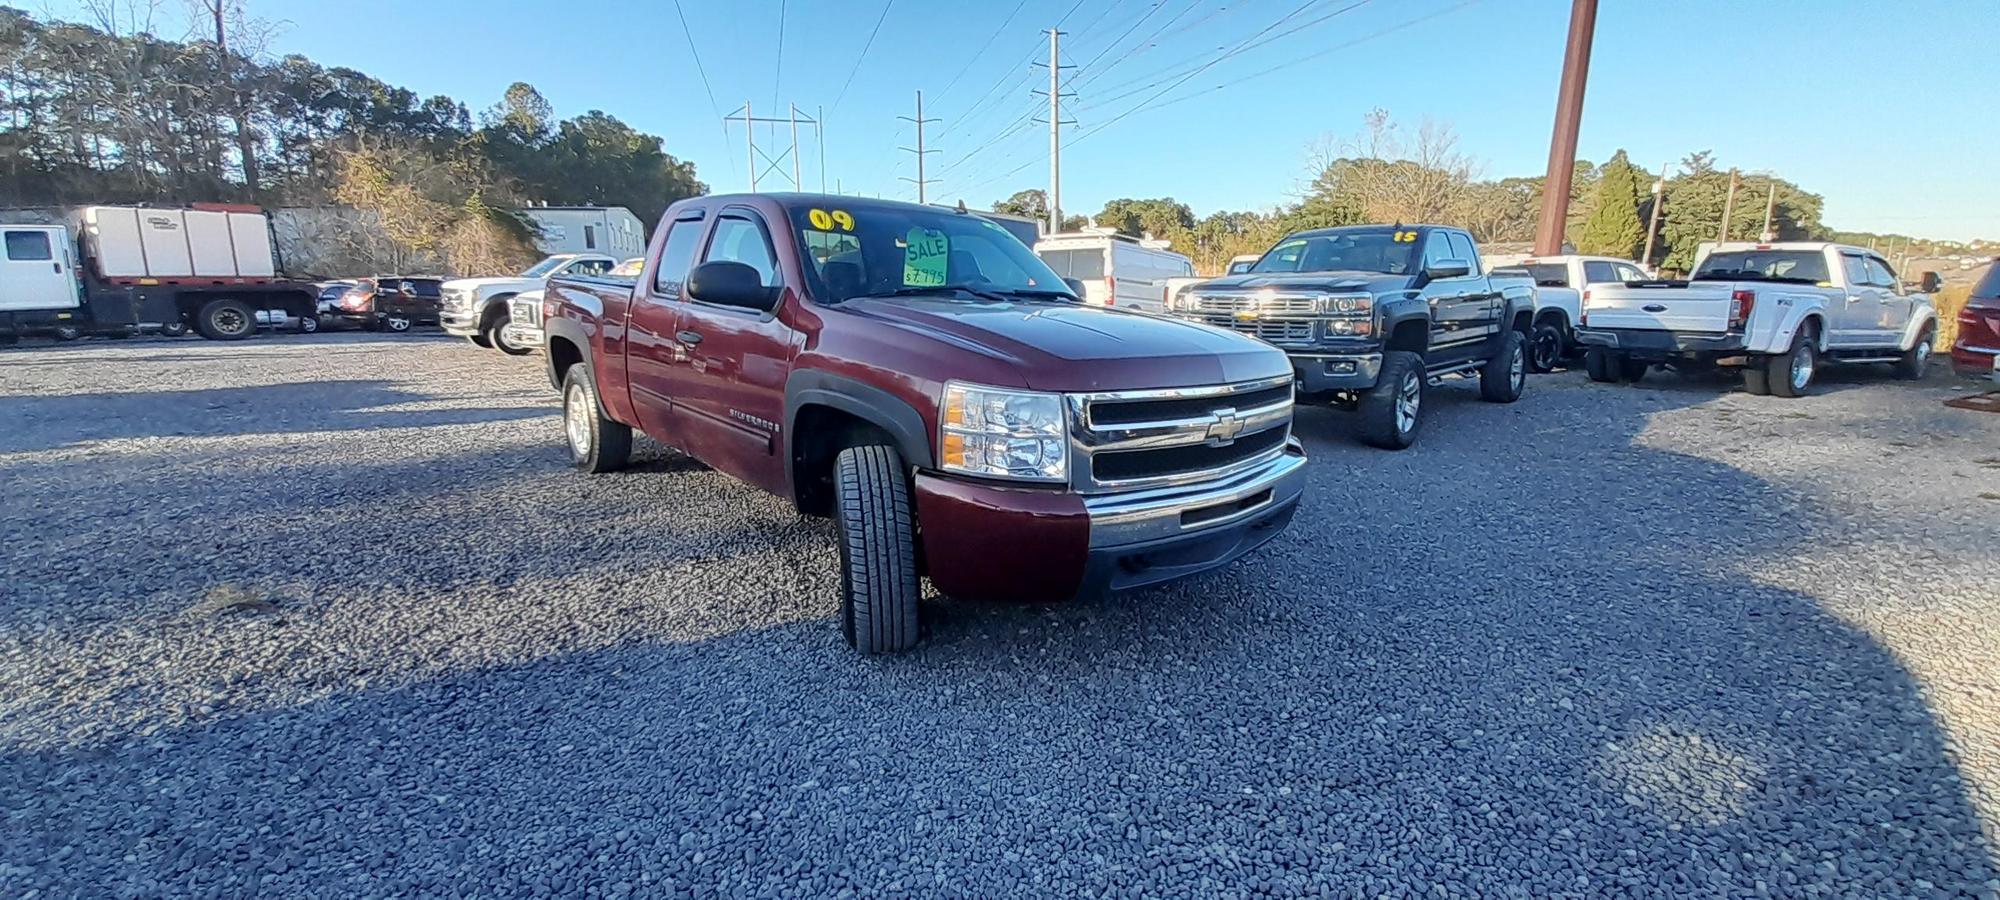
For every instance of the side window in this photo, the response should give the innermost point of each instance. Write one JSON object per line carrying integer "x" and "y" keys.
{"x": 29, "y": 246}
{"x": 738, "y": 239}
{"x": 1461, "y": 248}
{"x": 676, "y": 257}
{"x": 590, "y": 267}
{"x": 1437, "y": 249}
{"x": 1855, "y": 270}
{"x": 1880, "y": 275}
{"x": 589, "y": 237}
{"x": 1599, "y": 273}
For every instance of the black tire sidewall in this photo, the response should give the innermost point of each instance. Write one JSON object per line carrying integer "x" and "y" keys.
{"x": 1377, "y": 406}
{"x": 1545, "y": 332}
{"x": 1496, "y": 378}
{"x": 874, "y": 515}
{"x": 205, "y": 320}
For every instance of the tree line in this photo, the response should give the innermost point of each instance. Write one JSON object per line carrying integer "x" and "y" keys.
{"x": 1390, "y": 173}
{"x": 111, "y": 112}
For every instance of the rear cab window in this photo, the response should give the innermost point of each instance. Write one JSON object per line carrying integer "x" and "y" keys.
{"x": 29, "y": 246}
{"x": 1595, "y": 272}
{"x": 1794, "y": 266}
{"x": 1548, "y": 274}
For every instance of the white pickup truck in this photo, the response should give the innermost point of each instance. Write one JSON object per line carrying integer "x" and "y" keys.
{"x": 1774, "y": 310}
{"x": 478, "y": 308}
{"x": 1559, "y": 285}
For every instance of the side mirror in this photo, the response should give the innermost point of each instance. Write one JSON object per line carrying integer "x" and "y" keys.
{"x": 1075, "y": 287}
{"x": 1930, "y": 282}
{"x": 1448, "y": 268}
{"x": 726, "y": 283}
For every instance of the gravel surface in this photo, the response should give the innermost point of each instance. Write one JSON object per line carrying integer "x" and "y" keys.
{"x": 330, "y": 615}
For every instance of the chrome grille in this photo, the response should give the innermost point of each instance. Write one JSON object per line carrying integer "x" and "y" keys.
{"x": 1274, "y": 331}
{"x": 1266, "y": 304}
{"x": 1122, "y": 440}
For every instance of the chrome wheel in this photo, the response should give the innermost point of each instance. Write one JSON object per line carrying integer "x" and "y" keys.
{"x": 1802, "y": 366}
{"x": 1408, "y": 398}
{"x": 397, "y": 323}
{"x": 1517, "y": 371}
{"x": 1923, "y": 352}
{"x": 576, "y": 424}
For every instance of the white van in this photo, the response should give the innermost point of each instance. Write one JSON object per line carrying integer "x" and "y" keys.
{"x": 1116, "y": 270}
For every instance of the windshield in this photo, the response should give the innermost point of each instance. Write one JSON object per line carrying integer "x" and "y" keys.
{"x": 882, "y": 250}
{"x": 1801, "y": 266}
{"x": 1365, "y": 249}
{"x": 543, "y": 268}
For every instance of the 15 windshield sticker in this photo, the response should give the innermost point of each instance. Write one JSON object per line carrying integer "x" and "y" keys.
{"x": 926, "y": 255}
{"x": 1406, "y": 237}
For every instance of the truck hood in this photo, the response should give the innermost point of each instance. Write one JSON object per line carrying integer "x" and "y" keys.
{"x": 488, "y": 284}
{"x": 1330, "y": 282}
{"x": 1057, "y": 346}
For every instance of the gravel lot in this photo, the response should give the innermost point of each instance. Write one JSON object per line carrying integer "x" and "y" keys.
{"x": 330, "y": 615}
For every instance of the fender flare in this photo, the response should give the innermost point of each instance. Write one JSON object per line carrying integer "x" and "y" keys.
{"x": 569, "y": 330}
{"x": 864, "y": 401}
{"x": 1925, "y": 316}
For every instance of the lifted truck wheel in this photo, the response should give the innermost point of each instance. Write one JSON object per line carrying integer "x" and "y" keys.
{"x": 596, "y": 443}
{"x": 1601, "y": 366}
{"x": 1504, "y": 376}
{"x": 876, "y": 530}
{"x": 1913, "y": 363}
{"x": 1391, "y": 411}
{"x": 1791, "y": 374}
{"x": 225, "y": 320}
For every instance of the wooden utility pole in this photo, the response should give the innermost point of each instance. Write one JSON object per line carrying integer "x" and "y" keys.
{"x": 1728, "y": 206}
{"x": 1653, "y": 221}
{"x": 1569, "y": 119}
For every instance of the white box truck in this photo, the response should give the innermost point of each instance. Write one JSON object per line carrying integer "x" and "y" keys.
{"x": 113, "y": 269}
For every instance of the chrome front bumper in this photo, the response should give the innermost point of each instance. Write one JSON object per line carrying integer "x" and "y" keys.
{"x": 1188, "y": 511}
{"x": 460, "y": 322}
{"x": 523, "y": 335}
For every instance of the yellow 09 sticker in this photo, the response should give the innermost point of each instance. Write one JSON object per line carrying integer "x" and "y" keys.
{"x": 1406, "y": 237}
{"x": 827, "y": 221}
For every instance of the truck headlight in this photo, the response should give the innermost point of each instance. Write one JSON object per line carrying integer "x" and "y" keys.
{"x": 1181, "y": 300}
{"x": 1002, "y": 433}
{"x": 1347, "y": 306}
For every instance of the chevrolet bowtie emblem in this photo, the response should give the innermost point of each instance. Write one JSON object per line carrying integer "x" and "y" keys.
{"x": 1224, "y": 428}
{"x": 1247, "y": 315}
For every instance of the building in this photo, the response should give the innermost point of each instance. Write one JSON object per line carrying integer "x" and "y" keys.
{"x": 586, "y": 229}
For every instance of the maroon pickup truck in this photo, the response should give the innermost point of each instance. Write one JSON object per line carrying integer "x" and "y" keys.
{"x": 919, "y": 376}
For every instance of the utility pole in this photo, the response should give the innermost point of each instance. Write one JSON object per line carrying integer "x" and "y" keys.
{"x": 1056, "y": 123}
{"x": 920, "y": 121}
{"x": 751, "y": 153}
{"x": 1653, "y": 221}
{"x": 1770, "y": 206}
{"x": 819, "y": 132}
{"x": 1569, "y": 119}
{"x": 1728, "y": 206}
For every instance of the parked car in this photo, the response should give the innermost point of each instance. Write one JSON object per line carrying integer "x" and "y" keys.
{"x": 477, "y": 309}
{"x": 1371, "y": 315}
{"x": 1976, "y": 350}
{"x": 112, "y": 270}
{"x": 1559, "y": 285}
{"x": 391, "y": 302}
{"x": 921, "y": 377}
{"x": 1115, "y": 269}
{"x": 1776, "y": 311}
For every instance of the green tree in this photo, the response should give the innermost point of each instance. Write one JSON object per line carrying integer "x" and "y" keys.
{"x": 1032, "y": 203}
{"x": 1612, "y": 227}
{"x": 1164, "y": 217}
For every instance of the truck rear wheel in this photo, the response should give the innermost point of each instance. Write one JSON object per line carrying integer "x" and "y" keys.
{"x": 1633, "y": 370}
{"x": 596, "y": 442}
{"x": 1791, "y": 374}
{"x": 876, "y": 529}
{"x": 1600, "y": 365}
{"x": 225, "y": 319}
{"x": 1504, "y": 376}
{"x": 1756, "y": 379}
{"x": 1391, "y": 411}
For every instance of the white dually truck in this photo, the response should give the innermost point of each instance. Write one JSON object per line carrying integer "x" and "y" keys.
{"x": 111, "y": 270}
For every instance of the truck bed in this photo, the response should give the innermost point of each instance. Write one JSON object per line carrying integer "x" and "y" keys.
{"x": 1700, "y": 307}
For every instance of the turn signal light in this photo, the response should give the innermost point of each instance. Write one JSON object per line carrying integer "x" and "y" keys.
{"x": 1740, "y": 305}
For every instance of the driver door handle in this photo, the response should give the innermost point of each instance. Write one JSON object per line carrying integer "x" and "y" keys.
{"x": 689, "y": 338}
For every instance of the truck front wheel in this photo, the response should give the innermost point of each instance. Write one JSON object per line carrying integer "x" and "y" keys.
{"x": 1504, "y": 376}
{"x": 497, "y": 334}
{"x": 1392, "y": 410}
{"x": 596, "y": 443}
{"x": 876, "y": 529}
{"x": 225, "y": 320}
{"x": 1547, "y": 346}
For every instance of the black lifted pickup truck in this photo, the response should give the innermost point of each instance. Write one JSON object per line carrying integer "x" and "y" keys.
{"x": 1373, "y": 314}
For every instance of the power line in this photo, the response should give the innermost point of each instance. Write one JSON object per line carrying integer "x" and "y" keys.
{"x": 993, "y": 91}
{"x": 712, "y": 105}
{"x": 1161, "y": 4}
{"x": 1248, "y": 44}
{"x": 982, "y": 48}
{"x": 1148, "y": 42}
{"x": 778, "y": 75}
{"x": 864, "y": 53}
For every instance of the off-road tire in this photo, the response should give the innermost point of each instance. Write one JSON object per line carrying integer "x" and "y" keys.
{"x": 225, "y": 319}
{"x": 1601, "y": 366}
{"x": 1757, "y": 378}
{"x": 1385, "y": 422}
{"x": 1632, "y": 370}
{"x": 1782, "y": 371}
{"x": 595, "y": 442}
{"x": 1504, "y": 376}
{"x": 1917, "y": 359}
{"x": 1546, "y": 346}
{"x": 875, "y": 524}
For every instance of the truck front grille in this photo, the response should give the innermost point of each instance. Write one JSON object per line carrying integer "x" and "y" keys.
{"x": 1270, "y": 331}
{"x": 1267, "y": 304}
{"x": 1124, "y": 440}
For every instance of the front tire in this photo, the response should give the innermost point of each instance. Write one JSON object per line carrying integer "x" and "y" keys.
{"x": 1912, "y": 365}
{"x": 1391, "y": 411}
{"x": 396, "y": 323}
{"x": 308, "y": 324}
{"x": 597, "y": 444}
{"x": 226, "y": 320}
{"x": 1545, "y": 347}
{"x": 480, "y": 340}
{"x": 497, "y": 334}
{"x": 1791, "y": 374}
{"x": 1505, "y": 376}
{"x": 876, "y": 529}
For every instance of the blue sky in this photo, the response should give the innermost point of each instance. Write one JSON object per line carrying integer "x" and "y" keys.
{"x": 1885, "y": 109}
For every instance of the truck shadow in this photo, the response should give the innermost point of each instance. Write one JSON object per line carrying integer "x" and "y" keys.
{"x": 1492, "y": 665}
